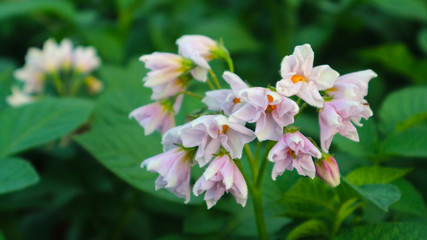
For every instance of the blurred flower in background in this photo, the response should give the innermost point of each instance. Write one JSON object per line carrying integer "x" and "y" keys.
{"x": 56, "y": 69}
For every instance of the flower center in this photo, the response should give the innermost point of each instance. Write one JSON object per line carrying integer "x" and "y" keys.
{"x": 297, "y": 78}
{"x": 270, "y": 108}
{"x": 223, "y": 129}
{"x": 236, "y": 100}
{"x": 292, "y": 153}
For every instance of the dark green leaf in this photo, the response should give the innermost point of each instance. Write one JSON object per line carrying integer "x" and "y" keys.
{"x": 41, "y": 122}
{"x": 411, "y": 201}
{"x": 403, "y": 109}
{"x": 385, "y": 231}
{"x": 422, "y": 40}
{"x": 410, "y": 143}
{"x": 410, "y": 9}
{"x": 10, "y": 9}
{"x": 16, "y": 174}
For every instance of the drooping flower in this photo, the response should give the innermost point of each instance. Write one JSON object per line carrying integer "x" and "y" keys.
{"x": 173, "y": 167}
{"x": 93, "y": 85}
{"x": 270, "y": 111}
{"x": 300, "y": 78}
{"x": 327, "y": 169}
{"x": 197, "y": 45}
{"x": 338, "y": 116}
{"x": 210, "y": 132}
{"x": 226, "y": 100}
{"x": 352, "y": 86}
{"x": 18, "y": 98}
{"x": 222, "y": 176}
{"x": 293, "y": 150}
{"x": 155, "y": 116}
{"x": 32, "y": 77}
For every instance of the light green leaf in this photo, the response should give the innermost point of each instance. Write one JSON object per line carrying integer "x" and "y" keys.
{"x": 410, "y": 143}
{"x": 41, "y": 122}
{"x": 375, "y": 174}
{"x": 411, "y": 201}
{"x": 386, "y": 231}
{"x": 398, "y": 58}
{"x": 409, "y": 9}
{"x": 16, "y": 174}
{"x": 403, "y": 109}
{"x": 309, "y": 228}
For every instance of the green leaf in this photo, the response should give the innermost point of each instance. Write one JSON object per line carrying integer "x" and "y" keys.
{"x": 60, "y": 8}
{"x": 409, "y": 9}
{"x": 375, "y": 174}
{"x": 309, "y": 228}
{"x": 16, "y": 174}
{"x": 314, "y": 192}
{"x": 403, "y": 109}
{"x": 41, "y": 122}
{"x": 411, "y": 201}
{"x": 202, "y": 222}
{"x": 410, "y": 143}
{"x": 385, "y": 231}
{"x": 117, "y": 77}
{"x": 381, "y": 195}
{"x": 398, "y": 58}
{"x": 108, "y": 44}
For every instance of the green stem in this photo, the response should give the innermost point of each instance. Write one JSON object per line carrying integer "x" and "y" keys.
{"x": 252, "y": 162}
{"x": 230, "y": 63}
{"x": 192, "y": 94}
{"x": 211, "y": 86}
{"x": 214, "y": 78}
{"x": 259, "y": 214}
{"x": 57, "y": 82}
{"x": 264, "y": 162}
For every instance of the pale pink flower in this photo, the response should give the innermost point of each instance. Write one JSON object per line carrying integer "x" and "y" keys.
{"x": 270, "y": 111}
{"x": 19, "y": 98}
{"x": 352, "y": 86}
{"x": 338, "y": 116}
{"x": 226, "y": 100}
{"x": 155, "y": 116}
{"x": 197, "y": 45}
{"x": 173, "y": 167}
{"x": 222, "y": 176}
{"x": 210, "y": 132}
{"x": 293, "y": 150}
{"x": 301, "y": 79}
{"x": 32, "y": 77}
{"x": 85, "y": 59}
{"x": 327, "y": 169}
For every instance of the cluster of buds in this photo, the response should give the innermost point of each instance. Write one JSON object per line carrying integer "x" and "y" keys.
{"x": 58, "y": 68}
{"x": 217, "y": 137}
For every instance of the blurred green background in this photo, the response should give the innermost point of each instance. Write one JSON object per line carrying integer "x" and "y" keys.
{"x": 80, "y": 197}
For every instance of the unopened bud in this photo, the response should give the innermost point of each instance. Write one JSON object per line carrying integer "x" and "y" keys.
{"x": 327, "y": 169}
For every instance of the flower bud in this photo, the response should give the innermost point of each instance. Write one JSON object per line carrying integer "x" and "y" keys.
{"x": 327, "y": 169}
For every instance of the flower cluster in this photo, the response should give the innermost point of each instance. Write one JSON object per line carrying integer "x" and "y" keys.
{"x": 217, "y": 137}
{"x": 59, "y": 68}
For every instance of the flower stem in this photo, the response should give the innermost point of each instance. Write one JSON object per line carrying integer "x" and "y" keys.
{"x": 192, "y": 94}
{"x": 214, "y": 78}
{"x": 57, "y": 82}
{"x": 252, "y": 162}
{"x": 259, "y": 213}
{"x": 230, "y": 63}
{"x": 211, "y": 86}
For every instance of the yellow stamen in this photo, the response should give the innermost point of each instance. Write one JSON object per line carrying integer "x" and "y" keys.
{"x": 236, "y": 100}
{"x": 297, "y": 78}
{"x": 224, "y": 129}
